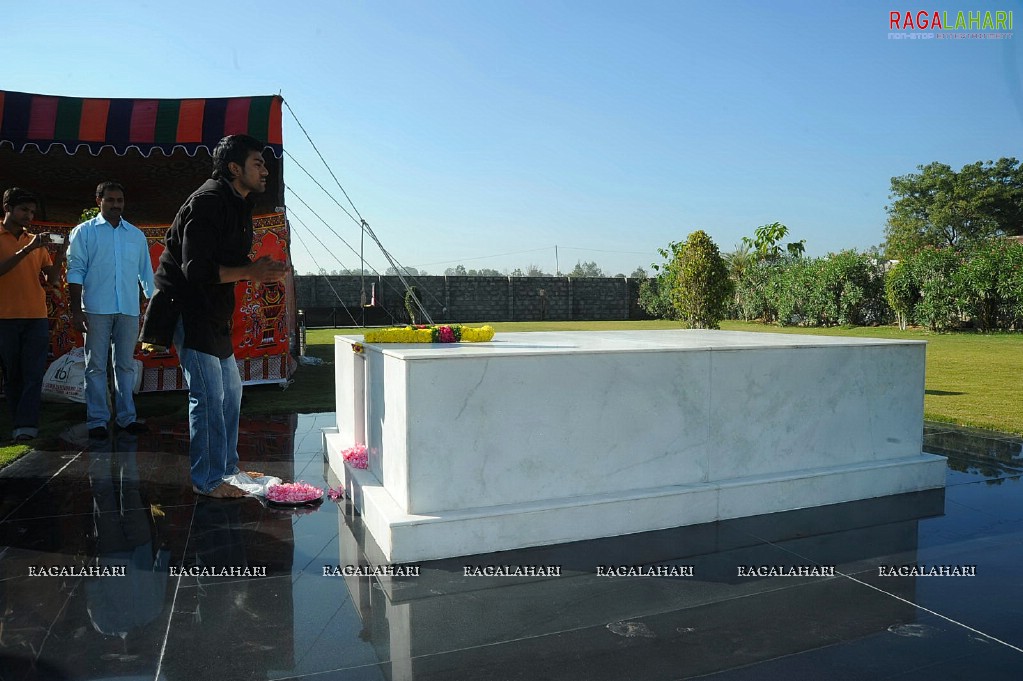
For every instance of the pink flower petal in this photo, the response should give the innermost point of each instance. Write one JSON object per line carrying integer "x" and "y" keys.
{"x": 293, "y": 493}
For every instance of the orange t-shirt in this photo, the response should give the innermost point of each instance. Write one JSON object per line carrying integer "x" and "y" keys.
{"x": 21, "y": 296}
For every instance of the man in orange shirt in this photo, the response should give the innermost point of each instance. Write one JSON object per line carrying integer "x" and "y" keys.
{"x": 24, "y": 329}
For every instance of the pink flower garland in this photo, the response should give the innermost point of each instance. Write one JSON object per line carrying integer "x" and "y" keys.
{"x": 356, "y": 456}
{"x": 293, "y": 493}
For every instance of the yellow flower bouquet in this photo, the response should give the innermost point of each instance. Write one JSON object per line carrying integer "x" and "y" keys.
{"x": 436, "y": 333}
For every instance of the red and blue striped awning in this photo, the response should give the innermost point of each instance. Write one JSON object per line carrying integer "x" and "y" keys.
{"x": 44, "y": 121}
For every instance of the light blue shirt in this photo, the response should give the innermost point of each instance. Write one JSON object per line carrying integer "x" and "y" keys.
{"x": 110, "y": 263}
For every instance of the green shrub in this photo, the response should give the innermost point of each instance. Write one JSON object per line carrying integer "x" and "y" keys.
{"x": 654, "y": 299}
{"x": 846, "y": 288}
{"x": 939, "y": 305}
{"x": 852, "y": 290}
{"x": 948, "y": 288}
{"x": 702, "y": 287}
{"x": 792, "y": 291}
{"x": 1010, "y": 286}
{"x": 944, "y": 289}
{"x": 655, "y": 294}
{"x": 753, "y": 297}
{"x": 902, "y": 292}
{"x": 976, "y": 282}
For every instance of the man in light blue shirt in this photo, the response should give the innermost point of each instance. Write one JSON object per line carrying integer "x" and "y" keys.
{"x": 107, "y": 259}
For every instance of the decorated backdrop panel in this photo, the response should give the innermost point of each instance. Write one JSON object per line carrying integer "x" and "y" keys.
{"x": 263, "y": 321}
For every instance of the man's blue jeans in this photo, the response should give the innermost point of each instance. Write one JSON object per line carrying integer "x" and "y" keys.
{"x": 214, "y": 406}
{"x": 23, "y": 347}
{"x": 121, "y": 331}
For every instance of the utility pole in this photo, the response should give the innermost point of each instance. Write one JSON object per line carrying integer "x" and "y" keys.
{"x": 557, "y": 265}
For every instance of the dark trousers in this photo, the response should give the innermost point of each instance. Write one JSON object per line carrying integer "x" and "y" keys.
{"x": 23, "y": 347}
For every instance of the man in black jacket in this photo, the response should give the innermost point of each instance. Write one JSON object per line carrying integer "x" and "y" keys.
{"x": 207, "y": 251}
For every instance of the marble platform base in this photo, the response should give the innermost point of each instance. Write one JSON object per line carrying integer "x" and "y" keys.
{"x": 403, "y": 537}
{"x": 544, "y": 438}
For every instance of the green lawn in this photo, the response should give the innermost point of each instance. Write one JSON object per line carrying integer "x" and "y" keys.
{"x": 12, "y": 452}
{"x": 972, "y": 379}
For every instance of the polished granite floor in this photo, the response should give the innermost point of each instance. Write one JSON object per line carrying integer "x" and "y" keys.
{"x": 122, "y": 506}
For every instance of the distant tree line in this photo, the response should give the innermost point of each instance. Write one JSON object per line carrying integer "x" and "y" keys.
{"x": 581, "y": 269}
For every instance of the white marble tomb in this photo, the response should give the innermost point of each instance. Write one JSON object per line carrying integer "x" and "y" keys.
{"x": 543, "y": 438}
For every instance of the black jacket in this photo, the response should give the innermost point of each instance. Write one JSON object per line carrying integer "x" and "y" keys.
{"x": 212, "y": 228}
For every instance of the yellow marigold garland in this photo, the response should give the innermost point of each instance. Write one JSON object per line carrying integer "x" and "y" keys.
{"x": 437, "y": 333}
{"x": 480, "y": 335}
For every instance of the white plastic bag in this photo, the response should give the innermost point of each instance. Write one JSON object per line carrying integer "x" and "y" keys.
{"x": 255, "y": 487}
{"x": 64, "y": 380}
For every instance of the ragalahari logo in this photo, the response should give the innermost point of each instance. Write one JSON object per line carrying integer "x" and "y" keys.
{"x": 956, "y": 25}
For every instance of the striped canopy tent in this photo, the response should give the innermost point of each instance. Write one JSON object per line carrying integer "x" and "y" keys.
{"x": 60, "y": 148}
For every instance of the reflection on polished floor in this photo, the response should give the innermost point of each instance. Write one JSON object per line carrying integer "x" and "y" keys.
{"x": 110, "y": 568}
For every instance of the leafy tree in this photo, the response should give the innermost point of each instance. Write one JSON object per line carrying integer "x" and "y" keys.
{"x": 343, "y": 272}
{"x": 535, "y": 271}
{"x": 766, "y": 242}
{"x": 1006, "y": 174}
{"x": 941, "y": 207}
{"x": 586, "y": 269}
{"x": 456, "y": 271}
{"x": 517, "y": 272}
{"x": 796, "y": 249}
{"x": 406, "y": 271}
{"x": 701, "y": 285}
{"x": 639, "y": 273}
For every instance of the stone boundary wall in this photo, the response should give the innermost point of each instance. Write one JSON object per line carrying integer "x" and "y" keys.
{"x": 337, "y": 300}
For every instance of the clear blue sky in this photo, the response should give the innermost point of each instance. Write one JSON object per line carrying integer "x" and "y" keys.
{"x": 485, "y": 132}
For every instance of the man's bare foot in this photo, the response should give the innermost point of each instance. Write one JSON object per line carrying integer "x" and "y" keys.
{"x": 255, "y": 474}
{"x": 222, "y": 491}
